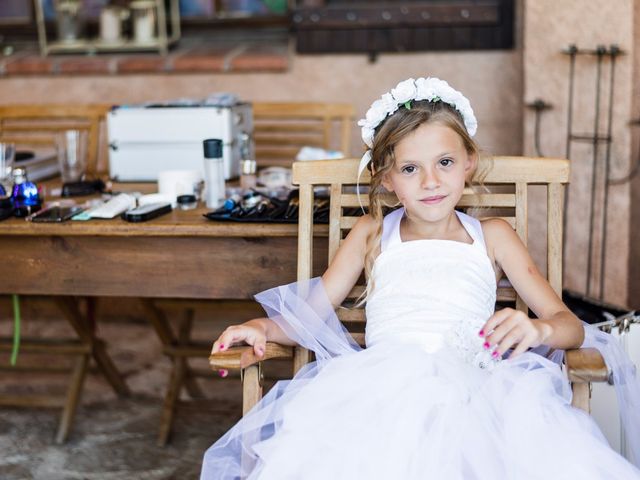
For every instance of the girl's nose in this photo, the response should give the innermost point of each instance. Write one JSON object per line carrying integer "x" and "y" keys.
{"x": 430, "y": 180}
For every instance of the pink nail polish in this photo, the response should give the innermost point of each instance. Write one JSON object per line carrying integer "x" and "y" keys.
{"x": 486, "y": 345}
{"x": 221, "y": 346}
{"x": 481, "y": 333}
{"x": 221, "y": 373}
{"x": 495, "y": 354}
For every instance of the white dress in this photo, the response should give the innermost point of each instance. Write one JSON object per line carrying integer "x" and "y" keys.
{"x": 424, "y": 400}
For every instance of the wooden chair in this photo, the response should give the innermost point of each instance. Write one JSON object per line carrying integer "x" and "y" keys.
{"x": 509, "y": 175}
{"x": 281, "y": 129}
{"x": 41, "y": 125}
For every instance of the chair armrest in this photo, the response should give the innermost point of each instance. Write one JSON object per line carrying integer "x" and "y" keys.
{"x": 586, "y": 365}
{"x": 244, "y": 356}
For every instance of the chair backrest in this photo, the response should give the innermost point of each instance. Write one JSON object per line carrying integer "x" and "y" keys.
{"x": 281, "y": 128}
{"x": 42, "y": 125}
{"x": 506, "y": 181}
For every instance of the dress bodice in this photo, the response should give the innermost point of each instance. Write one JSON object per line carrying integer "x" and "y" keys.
{"x": 431, "y": 292}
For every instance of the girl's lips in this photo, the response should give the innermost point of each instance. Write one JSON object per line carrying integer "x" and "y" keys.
{"x": 433, "y": 200}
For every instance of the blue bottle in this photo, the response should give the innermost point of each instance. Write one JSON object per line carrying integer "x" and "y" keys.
{"x": 24, "y": 194}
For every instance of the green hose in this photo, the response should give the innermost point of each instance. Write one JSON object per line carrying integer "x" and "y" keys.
{"x": 16, "y": 329}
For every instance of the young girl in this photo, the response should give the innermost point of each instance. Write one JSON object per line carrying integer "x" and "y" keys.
{"x": 446, "y": 388}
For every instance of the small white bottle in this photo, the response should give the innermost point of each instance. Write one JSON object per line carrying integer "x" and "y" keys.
{"x": 213, "y": 173}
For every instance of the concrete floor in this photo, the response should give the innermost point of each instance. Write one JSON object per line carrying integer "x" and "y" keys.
{"x": 112, "y": 438}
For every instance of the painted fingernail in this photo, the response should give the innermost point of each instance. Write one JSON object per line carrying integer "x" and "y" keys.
{"x": 495, "y": 354}
{"x": 221, "y": 346}
{"x": 486, "y": 345}
{"x": 481, "y": 333}
{"x": 223, "y": 373}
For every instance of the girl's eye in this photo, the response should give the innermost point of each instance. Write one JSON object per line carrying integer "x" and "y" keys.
{"x": 408, "y": 169}
{"x": 445, "y": 162}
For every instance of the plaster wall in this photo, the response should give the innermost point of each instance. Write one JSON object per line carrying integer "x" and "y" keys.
{"x": 491, "y": 79}
{"x": 551, "y": 26}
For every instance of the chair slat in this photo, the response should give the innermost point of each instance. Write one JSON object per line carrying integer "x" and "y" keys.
{"x": 270, "y": 141}
{"x": 555, "y": 197}
{"x": 334, "y": 220}
{"x": 504, "y": 170}
{"x": 277, "y": 128}
{"x": 298, "y": 124}
{"x": 305, "y": 233}
{"x": 351, "y": 314}
{"x": 506, "y": 295}
{"x": 348, "y": 222}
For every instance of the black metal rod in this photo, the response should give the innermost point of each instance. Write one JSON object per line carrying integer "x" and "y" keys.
{"x": 589, "y": 138}
{"x": 538, "y": 106}
{"x": 572, "y": 50}
{"x": 536, "y": 134}
{"x": 613, "y": 52}
{"x": 601, "y": 52}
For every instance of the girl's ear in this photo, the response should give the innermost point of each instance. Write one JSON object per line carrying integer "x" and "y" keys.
{"x": 472, "y": 164}
{"x": 386, "y": 183}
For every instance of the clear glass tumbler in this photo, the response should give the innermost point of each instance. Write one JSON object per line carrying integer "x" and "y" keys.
{"x": 72, "y": 155}
{"x": 7, "y": 158}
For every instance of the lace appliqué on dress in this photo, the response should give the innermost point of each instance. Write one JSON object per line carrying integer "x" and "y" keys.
{"x": 464, "y": 339}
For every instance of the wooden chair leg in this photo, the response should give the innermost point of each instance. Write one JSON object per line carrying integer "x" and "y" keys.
{"x": 251, "y": 395}
{"x": 171, "y": 399}
{"x": 581, "y": 396}
{"x": 70, "y": 309}
{"x": 251, "y": 387}
{"x": 73, "y": 397}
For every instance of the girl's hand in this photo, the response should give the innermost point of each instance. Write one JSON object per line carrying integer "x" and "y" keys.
{"x": 509, "y": 327}
{"x": 251, "y": 332}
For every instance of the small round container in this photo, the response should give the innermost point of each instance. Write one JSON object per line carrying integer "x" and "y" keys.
{"x": 187, "y": 202}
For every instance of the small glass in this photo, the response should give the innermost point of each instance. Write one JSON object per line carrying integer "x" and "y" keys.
{"x": 72, "y": 155}
{"x": 7, "y": 158}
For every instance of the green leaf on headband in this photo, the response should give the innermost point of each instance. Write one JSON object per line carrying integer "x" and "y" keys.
{"x": 407, "y": 104}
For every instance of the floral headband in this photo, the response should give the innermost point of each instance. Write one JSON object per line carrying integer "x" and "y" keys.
{"x": 431, "y": 89}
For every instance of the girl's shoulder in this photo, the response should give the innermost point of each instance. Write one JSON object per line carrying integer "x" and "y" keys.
{"x": 365, "y": 225}
{"x": 499, "y": 237}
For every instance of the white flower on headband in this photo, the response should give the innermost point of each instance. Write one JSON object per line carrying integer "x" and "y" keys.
{"x": 404, "y": 91}
{"x": 430, "y": 89}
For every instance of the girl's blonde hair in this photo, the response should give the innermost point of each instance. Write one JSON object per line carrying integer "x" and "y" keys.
{"x": 387, "y": 136}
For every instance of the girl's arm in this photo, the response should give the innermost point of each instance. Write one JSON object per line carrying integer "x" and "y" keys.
{"x": 338, "y": 280}
{"x": 556, "y": 326}
{"x": 348, "y": 262}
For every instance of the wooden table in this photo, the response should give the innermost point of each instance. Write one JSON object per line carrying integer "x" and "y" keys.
{"x": 179, "y": 255}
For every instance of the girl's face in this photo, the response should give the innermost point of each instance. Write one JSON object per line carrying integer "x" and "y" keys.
{"x": 429, "y": 175}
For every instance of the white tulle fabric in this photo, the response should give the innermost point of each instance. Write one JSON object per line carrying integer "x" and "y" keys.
{"x": 423, "y": 400}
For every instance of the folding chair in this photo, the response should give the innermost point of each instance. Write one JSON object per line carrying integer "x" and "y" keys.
{"x": 281, "y": 129}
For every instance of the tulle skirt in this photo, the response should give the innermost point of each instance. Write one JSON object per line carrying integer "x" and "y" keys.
{"x": 396, "y": 411}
